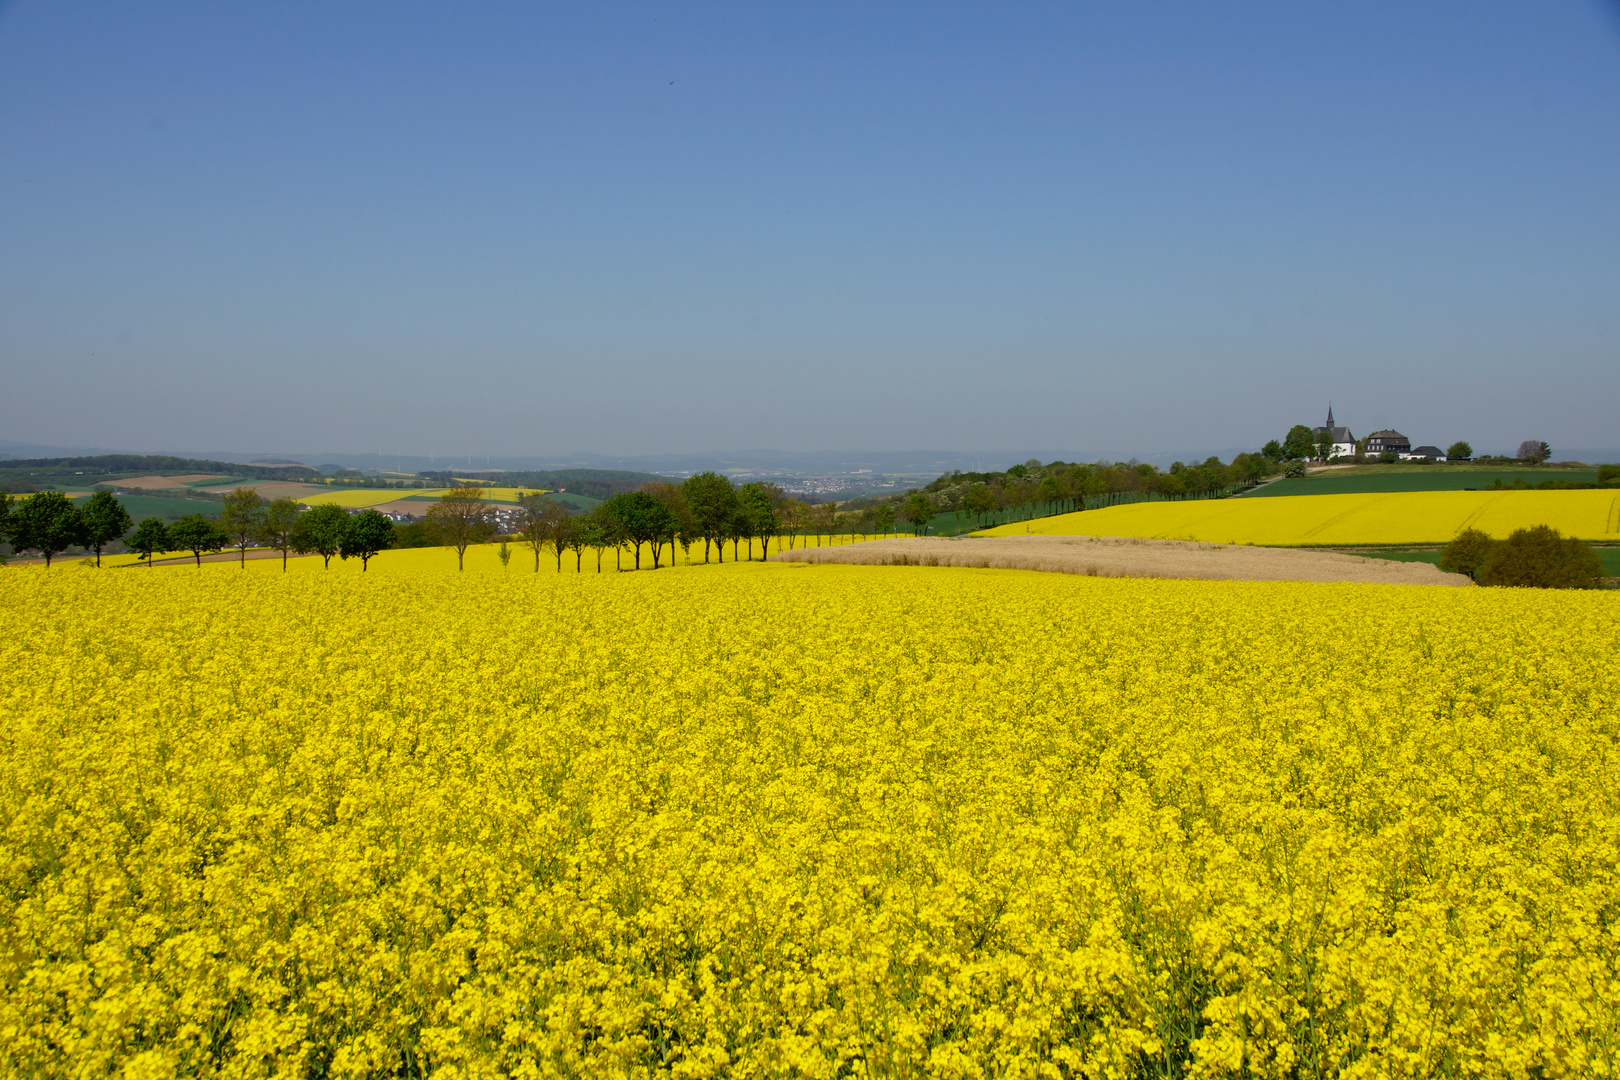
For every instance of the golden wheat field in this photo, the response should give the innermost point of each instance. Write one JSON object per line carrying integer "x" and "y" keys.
{"x": 774, "y": 820}
{"x": 1407, "y": 517}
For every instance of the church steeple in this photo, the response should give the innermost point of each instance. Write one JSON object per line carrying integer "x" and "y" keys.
{"x": 1330, "y": 416}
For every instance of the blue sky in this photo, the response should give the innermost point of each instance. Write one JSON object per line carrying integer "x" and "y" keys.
{"x": 1082, "y": 229}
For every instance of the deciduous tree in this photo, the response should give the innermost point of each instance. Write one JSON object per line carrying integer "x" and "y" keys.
{"x": 150, "y": 538}
{"x": 1299, "y": 443}
{"x": 460, "y": 519}
{"x": 711, "y": 499}
{"x": 642, "y": 520}
{"x": 918, "y": 509}
{"x": 198, "y": 535}
{"x": 105, "y": 520}
{"x": 46, "y": 522}
{"x": 538, "y": 515}
{"x": 242, "y": 520}
{"x": 1466, "y": 553}
{"x": 1542, "y": 558}
{"x": 368, "y": 533}
{"x": 758, "y": 515}
{"x": 320, "y": 532}
{"x": 1534, "y": 451}
{"x": 1459, "y": 451}
{"x": 278, "y": 525}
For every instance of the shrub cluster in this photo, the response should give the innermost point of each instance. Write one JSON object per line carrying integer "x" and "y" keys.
{"x": 1539, "y": 557}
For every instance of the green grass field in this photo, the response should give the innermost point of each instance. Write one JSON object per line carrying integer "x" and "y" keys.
{"x": 167, "y": 507}
{"x": 1610, "y": 557}
{"x": 1368, "y": 480}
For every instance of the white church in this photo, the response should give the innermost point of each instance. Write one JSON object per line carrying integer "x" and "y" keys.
{"x": 1344, "y": 443}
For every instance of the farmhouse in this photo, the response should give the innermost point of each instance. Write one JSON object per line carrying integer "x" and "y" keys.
{"x": 1389, "y": 441}
{"x": 1344, "y": 443}
{"x": 1433, "y": 453}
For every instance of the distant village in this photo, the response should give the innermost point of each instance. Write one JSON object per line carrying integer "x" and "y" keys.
{"x": 1388, "y": 441}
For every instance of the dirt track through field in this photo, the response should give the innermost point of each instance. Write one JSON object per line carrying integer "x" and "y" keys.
{"x": 1117, "y": 556}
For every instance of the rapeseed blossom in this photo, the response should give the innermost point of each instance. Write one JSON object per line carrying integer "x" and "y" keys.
{"x": 1403, "y": 517}
{"x": 766, "y": 819}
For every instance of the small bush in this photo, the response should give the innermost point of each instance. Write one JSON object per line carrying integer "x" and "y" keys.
{"x": 1466, "y": 553}
{"x": 1541, "y": 558}
{"x": 1294, "y": 470}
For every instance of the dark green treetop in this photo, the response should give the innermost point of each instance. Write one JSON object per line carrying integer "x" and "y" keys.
{"x": 367, "y": 534}
{"x": 105, "y": 520}
{"x": 46, "y": 522}
{"x": 198, "y": 535}
{"x": 320, "y": 532}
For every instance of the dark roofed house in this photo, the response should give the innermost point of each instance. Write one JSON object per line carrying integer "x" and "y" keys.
{"x": 1388, "y": 441}
{"x": 1433, "y": 453}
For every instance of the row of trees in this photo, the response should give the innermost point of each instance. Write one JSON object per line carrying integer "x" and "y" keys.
{"x": 1030, "y": 489}
{"x": 660, "y": 516}
{"x": 49, "y": 523}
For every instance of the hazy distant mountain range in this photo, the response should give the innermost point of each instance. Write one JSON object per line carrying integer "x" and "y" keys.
{"x": 917, "y": 463}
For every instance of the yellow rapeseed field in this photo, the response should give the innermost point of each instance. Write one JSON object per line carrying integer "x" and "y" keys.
{"x": 773, "y": 820}
{"x": 1407, "y": 517}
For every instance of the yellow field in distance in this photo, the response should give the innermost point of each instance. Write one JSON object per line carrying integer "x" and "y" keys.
{"x": 369, "y": 497}
{"x": 1407, "y": 517}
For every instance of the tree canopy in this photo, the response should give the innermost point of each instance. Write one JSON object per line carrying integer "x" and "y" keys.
{"x": 46, "y": 522}
{"x": 105, "y": 520}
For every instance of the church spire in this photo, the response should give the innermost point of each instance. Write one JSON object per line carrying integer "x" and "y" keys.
{"x": 1330, "y": 416}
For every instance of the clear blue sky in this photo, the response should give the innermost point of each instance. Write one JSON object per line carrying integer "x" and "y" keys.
{"x": 638, "y": 228}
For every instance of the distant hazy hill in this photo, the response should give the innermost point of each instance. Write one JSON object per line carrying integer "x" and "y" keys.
{"x": 158, "y": 464}
{"x": 597, "y": 483}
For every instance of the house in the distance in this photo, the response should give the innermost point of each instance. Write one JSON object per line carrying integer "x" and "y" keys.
{"x": 1388, "y": 441}
{"x": 1433, "y": 453}
{"x": 1344, "y": 443}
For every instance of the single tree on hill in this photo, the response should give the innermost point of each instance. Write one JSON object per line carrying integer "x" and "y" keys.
{"x": 1466, "y": 553}
{"x": 198, "y": 535}
{"x": 46, "y": 522}
{"x": 1534, "y": 451}
{"x": 460, "y": 519}
{"x": 242, "y": 520}
{"x": 1459, "y": 451}
{"x": 150, "y": 539}
{"x": 278, "y": 527}
{"x": 320, "y": 531}
{"x": 884, "y": 518}
{"x": 368, "y": 533}
{"x": 105, "y": 520}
